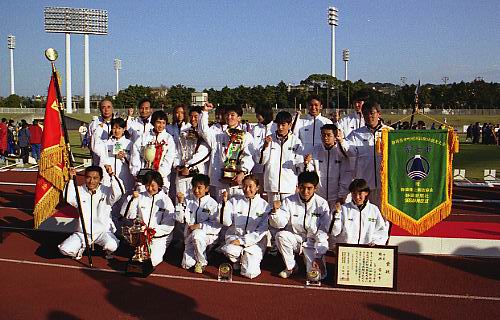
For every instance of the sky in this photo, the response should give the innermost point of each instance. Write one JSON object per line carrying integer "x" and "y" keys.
{"x": 211, "y": 44}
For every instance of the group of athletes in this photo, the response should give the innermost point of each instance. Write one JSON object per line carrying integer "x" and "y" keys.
{"x": 290, "y": 184}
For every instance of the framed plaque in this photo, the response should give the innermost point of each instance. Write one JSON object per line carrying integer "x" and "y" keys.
{"x": 366, "y": 267}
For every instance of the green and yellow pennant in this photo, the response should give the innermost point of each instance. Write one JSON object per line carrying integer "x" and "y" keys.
{"x": 417, "y": 177}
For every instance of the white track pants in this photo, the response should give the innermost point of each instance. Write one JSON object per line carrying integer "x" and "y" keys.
{"x": 250, "y": 257}
{"x": 158, "y": 248}
{"x": 75, "y": 242}
{"x": 289, "y": 243}
{"x": 195, "y": 248}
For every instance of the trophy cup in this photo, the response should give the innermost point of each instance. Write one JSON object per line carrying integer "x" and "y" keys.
{"x": 136, "y": 235}
{"x": 188, "y": 141}
{"x": 314, "y": 275}
{"x": 148, "y": 154}
{"x": 225, "y": 272}
{"x": 233, "y": 152}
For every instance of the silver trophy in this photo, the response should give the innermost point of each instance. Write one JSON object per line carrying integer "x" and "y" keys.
{"x": 140, "y": 262}
{"x": 188, "y": 140}
{"x": 314, "y": 275}
{"x": 148, "y": 154}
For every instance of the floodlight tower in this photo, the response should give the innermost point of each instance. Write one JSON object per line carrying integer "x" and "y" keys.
{"x": 118, "y": 66}
{"x": 345, "y": 57}
{"x": 333, "y": 21}
{"x": 82, "y": 21}
{"x": 11, "y": 44}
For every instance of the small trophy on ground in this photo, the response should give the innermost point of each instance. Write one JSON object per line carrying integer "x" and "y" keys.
{"x": 233, "y": 152}
{"x": 225, "y": 272}
{"x": 314, "y": 275}
{"x": 137, "y": 236}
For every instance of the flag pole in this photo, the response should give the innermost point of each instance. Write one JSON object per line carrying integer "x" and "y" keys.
{"x": 51, "y": 55}
{"x": 415, "y": 105}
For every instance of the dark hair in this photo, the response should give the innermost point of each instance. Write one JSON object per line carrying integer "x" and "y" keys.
{"x": 151, "y": 176}
{"x": 174, "y": 116}
{"x": 4, "y": 120}
{"x": 200, "y": 179}
{"x": 359, "y": 185}
{"x": 283, "y": 117}
{"x": 194, "y": 109}
{"x": 233, "y": 108}
{"x": 122, "y": 124}
{"x": 313, "y": 97}
{"x": 308, "y": 177}
{"x": 329, "y": 126}
{"x": 266, "y": 112}
{"x": 370, "y": 105}
{"x": 253, "y": 178}
{"x": 94, "y": 168}
{"x": 361, "y": 95}
{"x": 159, "y": 115}
{"x": 143, "y": 100}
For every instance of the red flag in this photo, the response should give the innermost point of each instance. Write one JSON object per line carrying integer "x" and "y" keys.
{"x": 53, "y": 164}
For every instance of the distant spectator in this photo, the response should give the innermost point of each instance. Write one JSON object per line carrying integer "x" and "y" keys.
{"x": 83, "y": 135}
{"x": 24, "y": 141}
{"x": 3, "y": 139}
{"x": 11, "y": 138}
{"x": 35, "y": 139}
{"x": 476, "y": 132}
{"x": 469, "y": 133}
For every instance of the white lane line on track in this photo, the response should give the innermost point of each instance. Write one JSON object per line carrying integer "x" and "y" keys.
{"x": 18, "y": 184}
{"x": 14, "y": 208}
{"x": 261, "y": 284}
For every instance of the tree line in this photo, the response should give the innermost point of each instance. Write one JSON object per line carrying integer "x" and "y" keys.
{"x": 334, "y": 93}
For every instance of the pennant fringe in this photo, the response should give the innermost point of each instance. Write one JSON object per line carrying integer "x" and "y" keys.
{"x": 400, "y": 218}
{"x": 45, "y": 207}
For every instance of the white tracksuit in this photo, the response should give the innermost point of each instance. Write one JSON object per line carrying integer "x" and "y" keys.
{"x": 308, "y": 129}
{"x": 356, "y": 226}
{"x": 167, "y": 156}
{"x": 218, "y": 143}
{"x": 198, "y": 163}
{"x": 360, "y": 144}
{"x": 305, "y": 228}
{"x": 139, "y": 129}
{"x": 334, "y": 173}
{"x": 101, "y": 135}
{"x": 283, "y": 160}
{"x": 204, "y": 211}
{"x": 175, "y": 131}
{"x": 351, "y": 122}
{"x": 259, "y": 133}
{"x": 107, "y": 156}
{"x": 157, "y": 212}
{"x": 247, "y": 220}
{"x": 96, "y": 209}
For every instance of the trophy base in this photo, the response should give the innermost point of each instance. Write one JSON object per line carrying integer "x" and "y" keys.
{"x": 228, "y": 175}
{"x": 313, "y": 278}
{"x": 225, "y": 272}
{"x": 139, "y": 269}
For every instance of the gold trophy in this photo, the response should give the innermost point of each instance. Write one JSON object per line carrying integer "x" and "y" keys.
{"x": 233, "y": 152}
{"x": 225, "y": 272}
{"x": 136, "y": 235}
{"x": 314, "y": 275}
{"x": 148, "y": 154}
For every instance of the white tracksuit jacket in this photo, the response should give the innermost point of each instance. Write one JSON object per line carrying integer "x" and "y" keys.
{"x": 283, "y": 161}
{"x": 156, "y": 211}
{"x": 101, "y": 135}
{"x": 204, "y": 211}
{"x": 218, "y": 142}
{"x": 310, "y": 220}
{"x": 259, "y": 133}
{"x": 356, "y": 226}
{"x": 360, "y": 144}
{"x": 246, "y": 219}
{"x": 138, "y": 129}
{"x": 308, "y": 129}
{"x": 333, "y": 170}
{"x": 96, "y": 207}
{"x": 167, "y": 157}
{"x": 351, "y": 122}
{"x": 107, "y": 156}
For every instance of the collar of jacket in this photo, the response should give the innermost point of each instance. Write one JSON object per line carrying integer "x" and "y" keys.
{"x": 304, "y": 201}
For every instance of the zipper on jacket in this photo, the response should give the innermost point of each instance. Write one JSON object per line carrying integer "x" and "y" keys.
{"x": 248, "y": 216}
{"x": 328, "y": 174}
{"x": 151, "y": 211}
